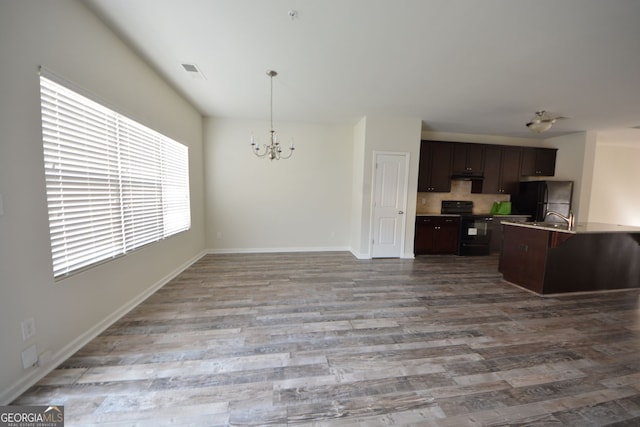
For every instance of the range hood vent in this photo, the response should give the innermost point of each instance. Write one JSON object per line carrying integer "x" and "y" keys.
{"x": 467, "y": 177}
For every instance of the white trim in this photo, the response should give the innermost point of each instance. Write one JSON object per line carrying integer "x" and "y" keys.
{"x": 407, "y": 156}
{"x": 276, "y": 250}
{"x": 353, "y": 252}
{"x": 36, "y": 374}
{"x": 359, "y": 255}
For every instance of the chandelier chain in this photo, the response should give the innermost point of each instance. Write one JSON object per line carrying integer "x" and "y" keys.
{"x": 271, "y": 103}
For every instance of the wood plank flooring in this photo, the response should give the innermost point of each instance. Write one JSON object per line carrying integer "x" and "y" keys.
{"x": 324, "y": 339}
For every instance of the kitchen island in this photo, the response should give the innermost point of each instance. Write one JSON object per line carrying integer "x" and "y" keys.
{"x": 549, "y": 258}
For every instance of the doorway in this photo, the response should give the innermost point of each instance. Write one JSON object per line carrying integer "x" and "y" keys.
{"x": 391, "y": 176}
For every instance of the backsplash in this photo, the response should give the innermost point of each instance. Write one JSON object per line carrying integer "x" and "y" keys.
{"x": 460, "y": 190}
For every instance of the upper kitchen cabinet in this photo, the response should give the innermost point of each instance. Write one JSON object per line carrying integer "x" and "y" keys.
{"x": 468, "y": 160}
{"x": 501, "y": 169}
{"x": 436, "y": 159}
{"x": 538, "y": 161}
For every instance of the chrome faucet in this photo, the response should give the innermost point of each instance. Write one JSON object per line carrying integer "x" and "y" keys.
{"x": 571, "y": 219}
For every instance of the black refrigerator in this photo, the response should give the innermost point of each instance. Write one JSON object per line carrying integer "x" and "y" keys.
{"x": 536, "y": 198}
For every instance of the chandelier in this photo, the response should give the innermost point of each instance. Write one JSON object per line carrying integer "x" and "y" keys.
{"x": 273, "y": 150}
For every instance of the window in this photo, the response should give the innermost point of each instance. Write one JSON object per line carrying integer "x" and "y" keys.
{"x": 113, "y": 185}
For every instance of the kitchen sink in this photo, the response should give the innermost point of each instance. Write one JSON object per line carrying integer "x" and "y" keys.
{"x": 558, "y": 225}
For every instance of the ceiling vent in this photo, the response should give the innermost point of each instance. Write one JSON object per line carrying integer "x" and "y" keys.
{"x": 193, "y": 71}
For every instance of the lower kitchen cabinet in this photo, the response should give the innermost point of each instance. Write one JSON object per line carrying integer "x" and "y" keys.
{"x": 436, "y": 235}
{"x": 497, "y": 227}
{"x": 524, "y": 255}
{"x": 593, "y": 257}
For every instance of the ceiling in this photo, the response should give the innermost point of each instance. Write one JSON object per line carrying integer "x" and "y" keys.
{"x": 481, "y": 67}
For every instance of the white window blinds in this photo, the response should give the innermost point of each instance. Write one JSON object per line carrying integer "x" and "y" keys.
{"x": 113, "y": 185}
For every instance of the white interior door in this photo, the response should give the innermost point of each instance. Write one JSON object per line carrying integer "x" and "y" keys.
{"x": 389, "y": 204}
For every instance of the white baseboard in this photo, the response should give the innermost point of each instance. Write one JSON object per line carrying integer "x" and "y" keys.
{"x": 355, "y": 253}
{"x": 37, "y": 373}
{"x": 368, "y": 256}
{"x": 276, "y": 250}
{"x": 360, "y": 255}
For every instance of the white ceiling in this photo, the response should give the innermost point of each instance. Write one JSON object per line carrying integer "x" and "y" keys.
{"x": 467, "y": 66}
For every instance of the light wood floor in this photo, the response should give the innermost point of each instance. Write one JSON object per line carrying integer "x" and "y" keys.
{"x": 324, "y": 339}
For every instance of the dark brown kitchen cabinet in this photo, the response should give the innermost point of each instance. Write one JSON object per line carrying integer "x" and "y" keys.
{"x": 468, "y": 159}
{"x": 501, "y": 169}
{"x": 436, "y": 235}
{"x": 524, "y": 255}
{"x": 500, "y": 165}
{"x": 496, "y": 228}
{"x": 538, "y": 161}
{"x": 547, "y": 261}
{"x": 434, "y": 174}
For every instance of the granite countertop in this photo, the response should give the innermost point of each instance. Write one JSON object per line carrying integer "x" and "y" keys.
{"x": 481, "y": 213}
{"x": 580, "y": 228}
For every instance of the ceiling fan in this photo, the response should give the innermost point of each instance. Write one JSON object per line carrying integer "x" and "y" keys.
{"x": 542, "y": 121}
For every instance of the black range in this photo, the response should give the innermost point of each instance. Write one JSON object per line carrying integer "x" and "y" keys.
{"x": 475, "y": 230}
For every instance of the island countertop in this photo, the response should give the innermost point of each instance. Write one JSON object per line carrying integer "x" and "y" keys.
{"x": 580, "y": 228}
{"x": 547, "y": 258}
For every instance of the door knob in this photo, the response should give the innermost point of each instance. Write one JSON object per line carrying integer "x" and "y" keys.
{"x": 400, "y": 212}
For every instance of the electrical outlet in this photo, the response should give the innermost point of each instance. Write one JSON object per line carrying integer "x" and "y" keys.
{"x": 28, "y": 328}
{"x": 30, "y": 357}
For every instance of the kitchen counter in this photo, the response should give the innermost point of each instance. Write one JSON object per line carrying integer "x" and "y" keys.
{"x": 580, "y": 228}
{"x": 550, "y": 259}
{"x": 495, "y": 216}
